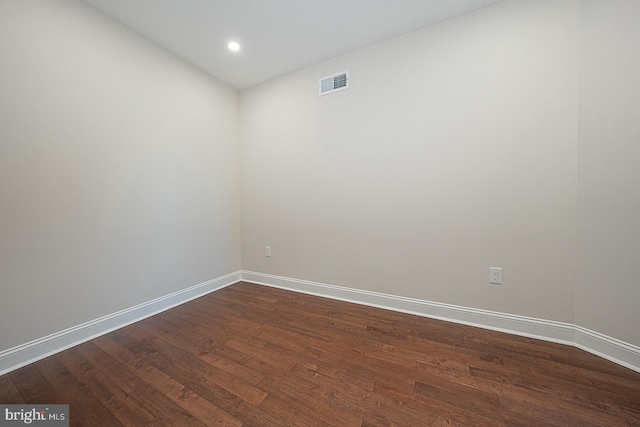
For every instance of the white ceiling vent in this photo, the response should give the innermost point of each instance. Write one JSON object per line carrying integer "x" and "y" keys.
{"x": 334, "y": 83}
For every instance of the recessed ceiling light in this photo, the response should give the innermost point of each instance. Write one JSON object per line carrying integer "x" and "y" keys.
{"x": 234, "y": 46}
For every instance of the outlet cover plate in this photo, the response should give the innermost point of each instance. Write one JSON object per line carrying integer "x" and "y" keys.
{"x": 495, "y": 275}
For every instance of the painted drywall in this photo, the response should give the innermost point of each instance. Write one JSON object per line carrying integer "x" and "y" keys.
{"x": 119, "y": 170}
{"x": 454, "y": 149}
{"x": 608, "y": 279}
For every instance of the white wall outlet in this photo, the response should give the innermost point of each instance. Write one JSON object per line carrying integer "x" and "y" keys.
{"x": 495, "y": 275}
{"x": 267, "y": 251}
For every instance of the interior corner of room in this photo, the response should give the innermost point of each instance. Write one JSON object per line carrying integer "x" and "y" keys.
{"x": 132, "y": 181}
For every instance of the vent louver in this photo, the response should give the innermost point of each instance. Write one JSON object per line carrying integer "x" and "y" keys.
{"x": 334, "y": 83}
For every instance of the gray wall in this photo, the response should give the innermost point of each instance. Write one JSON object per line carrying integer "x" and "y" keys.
{"x": 608, "y": 285}
{"x": 118, "y": 170}
{"x": 454, "y": 149}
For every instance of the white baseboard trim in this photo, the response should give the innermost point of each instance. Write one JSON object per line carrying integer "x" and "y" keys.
{"x": 608, "y": 348}
{"x": 620, "y": 352}
{"x": 617, "y": 351}
{"x": 33, "y": 351}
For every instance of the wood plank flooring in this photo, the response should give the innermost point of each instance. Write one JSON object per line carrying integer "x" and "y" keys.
{"x": 257, "y": 356}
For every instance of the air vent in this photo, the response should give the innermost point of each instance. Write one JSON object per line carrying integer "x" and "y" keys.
{"x": 334, "y": 83}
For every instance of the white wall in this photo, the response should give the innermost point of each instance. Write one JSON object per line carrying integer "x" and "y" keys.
{"x": 118, "y": 170}
{"x": 608, "y": 282}
{"x": 455, "y": 149}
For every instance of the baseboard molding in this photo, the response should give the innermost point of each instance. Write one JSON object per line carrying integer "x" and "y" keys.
{"x": 608, "y": 348}
{"x": 617, "y": 351}
{"x": 620, "y": 352}
{"x": 33, "y": 351}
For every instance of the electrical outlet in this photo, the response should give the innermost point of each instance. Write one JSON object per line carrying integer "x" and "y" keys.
{"x": 495, "y": 275}
{"x": 267, "y": 251}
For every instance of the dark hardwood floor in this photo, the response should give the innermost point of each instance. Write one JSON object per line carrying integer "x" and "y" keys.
{"x": 252, "y": 355}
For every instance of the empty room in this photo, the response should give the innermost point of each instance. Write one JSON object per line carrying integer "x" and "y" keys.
{"x": 337, "y": 213}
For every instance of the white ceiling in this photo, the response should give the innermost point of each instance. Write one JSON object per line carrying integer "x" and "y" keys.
{"x": 277, "y": 36}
